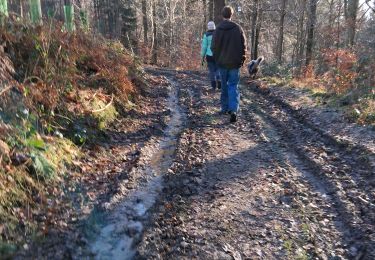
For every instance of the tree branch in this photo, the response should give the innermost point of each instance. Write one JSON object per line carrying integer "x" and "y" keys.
{"x": 369, "y": 6}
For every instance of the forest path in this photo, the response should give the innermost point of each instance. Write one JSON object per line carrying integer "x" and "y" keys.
{"x": 271, "y": 186}
{"x": 278, "y": 184}
{"x": 274, "y": 185}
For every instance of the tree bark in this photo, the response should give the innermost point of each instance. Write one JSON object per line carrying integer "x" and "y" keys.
{"x": 144, "y": 20}
{"x": 218, "y": 7}
{"x": 154, "y": 47}
{"x": 3, "y": 8}
{"x": 254, "y": 30}
{"x": 338, "y": 33}
{"x": 280, "y": 39}
{"x": 301, "y": 40}
{"x": 69, "y": 16}
{"x": 257, "y": 33}
{"x": 345, "y": 9}
{"x": 170, "y": 32}
{"x": 351, "y": 21}
{"x": 331, "y": 18}
{"x": 311, "y": 31}
{"x": 204, "y": 3}
{"x": 211, "y": 10}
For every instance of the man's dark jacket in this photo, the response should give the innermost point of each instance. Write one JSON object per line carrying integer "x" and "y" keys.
{"x": 229, "y": 45}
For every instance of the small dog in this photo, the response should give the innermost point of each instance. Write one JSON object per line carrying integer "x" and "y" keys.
{"x": 253, "y": 67}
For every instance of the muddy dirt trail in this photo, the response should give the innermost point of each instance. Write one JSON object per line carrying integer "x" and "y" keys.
{"x": 122, "y": 225}
{"x": 274, "y": 185}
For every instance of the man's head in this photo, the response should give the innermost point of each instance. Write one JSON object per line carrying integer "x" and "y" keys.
{"x": 227, "y": 12}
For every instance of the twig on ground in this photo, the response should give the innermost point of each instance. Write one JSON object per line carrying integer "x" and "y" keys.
{"x": 104, "y": 108}
{"x": 5, "y": 90}
{"x": 64, "y": 117}
{"x": 31, "y": 78}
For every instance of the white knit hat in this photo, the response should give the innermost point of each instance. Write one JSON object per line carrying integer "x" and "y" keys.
{"x": 211, "y": 26}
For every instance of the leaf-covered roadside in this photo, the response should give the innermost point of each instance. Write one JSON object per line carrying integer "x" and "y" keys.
{"x": 343, "y": 79}
{"x": 64, "y": 98}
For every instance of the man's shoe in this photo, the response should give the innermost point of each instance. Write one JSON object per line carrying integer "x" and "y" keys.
{"x": 213, "y": 85}
{"x": 218, "y": 84}
{"x": 224, "y": 112}
{"x": 233, "y": 117}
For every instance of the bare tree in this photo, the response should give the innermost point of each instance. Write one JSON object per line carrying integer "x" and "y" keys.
{"x": 311, "y": 30}
{"x": 144, "y": 21}
{"x": 154, "y": 47}
{"x": 172, "y": 29}
{"x": 211, "y": 10}
{"x": 280, "y": 39}
{"x": 351, "y": 21}
{"x": 301, "y": 34}
{"x": 256, "y": 24}
{"x": 218, "y": 7}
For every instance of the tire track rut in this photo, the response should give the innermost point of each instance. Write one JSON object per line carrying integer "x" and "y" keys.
{"x": 271, "y": 186}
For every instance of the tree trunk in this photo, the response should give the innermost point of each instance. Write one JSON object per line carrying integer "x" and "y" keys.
{"x": 331, "y": 17}
{"x": 345, "y": 9}
{"x": 338, "y": 33}
{"x": 204, "y": 3}
{"x": 69, "y": 15}
{"x": 280, "y": 39}
{"x": 254, "y": 29}
{"x": 170, "y": 32}
{"x": 14, "y": 6}
{"x": 351, "y": 21}
{"x": 301, "y": 37}
{"x": 257, "y": 33}
{"x": 218, "y": 7}
{"x": 21, "y": 8}
{"x": 311, "y": 31}
{"x": 211, "y": 10}
{"x": 3, "y": 8}
{"x": 144, "y": 20}
{"x": 111, "y": 19}
{"x": 154, "y": 47}
{"x": 36, "y": 11}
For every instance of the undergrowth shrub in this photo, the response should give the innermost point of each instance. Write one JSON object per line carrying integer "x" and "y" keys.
{"x": 342, "y": 77}
{"x": 63, "y": 88}
{"x": 274, "y": 69}
{"x": 338, "y": 70}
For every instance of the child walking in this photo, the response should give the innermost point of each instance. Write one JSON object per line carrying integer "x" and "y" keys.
{"x": 206, "y": 54}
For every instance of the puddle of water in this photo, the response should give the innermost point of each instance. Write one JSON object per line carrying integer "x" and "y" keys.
{"x": 124, "y": 225}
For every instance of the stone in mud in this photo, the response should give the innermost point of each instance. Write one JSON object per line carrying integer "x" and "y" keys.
{"x": 134, "y": 228}
{"x": 184, "y": 244}
{"x": 353, "y": 251}
{"x": 158, "y": 231}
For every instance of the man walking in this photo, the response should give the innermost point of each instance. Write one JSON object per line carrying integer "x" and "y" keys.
{"x": 229, "y": 50}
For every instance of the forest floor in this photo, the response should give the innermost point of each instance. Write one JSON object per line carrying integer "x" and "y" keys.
{"x": 289, "y": 180}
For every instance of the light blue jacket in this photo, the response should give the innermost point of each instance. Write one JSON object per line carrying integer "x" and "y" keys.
{"x": 206, "y": 45}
